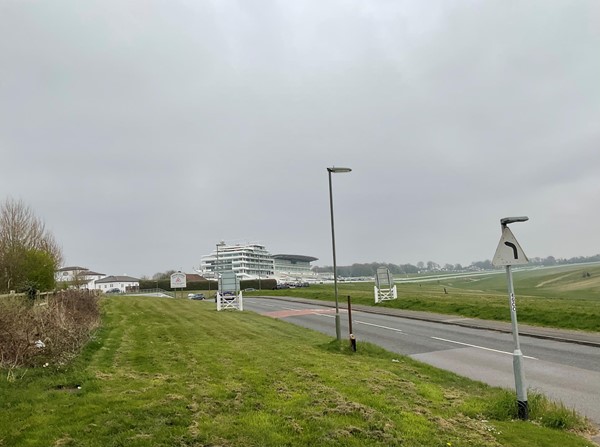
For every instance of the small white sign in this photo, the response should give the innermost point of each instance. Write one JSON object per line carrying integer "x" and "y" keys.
{"x": 509, "y": 252}
{"x": 178, "y": 281}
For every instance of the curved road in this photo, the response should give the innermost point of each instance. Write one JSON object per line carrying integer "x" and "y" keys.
{"x": 563, "y": 371}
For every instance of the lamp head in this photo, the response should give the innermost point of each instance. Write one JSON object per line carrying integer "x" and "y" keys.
{"x": 508, "y": 220}
{"x": 334, "y": 169}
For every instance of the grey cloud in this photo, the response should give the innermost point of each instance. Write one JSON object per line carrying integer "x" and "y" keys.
{"x": 144, "y": 132}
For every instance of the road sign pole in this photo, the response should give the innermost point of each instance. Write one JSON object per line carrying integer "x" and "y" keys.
{"x": 523, "y": 408}
{"x": 510, "y": 253}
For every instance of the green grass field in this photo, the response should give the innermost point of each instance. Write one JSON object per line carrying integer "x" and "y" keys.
{"x": 165, "y": 372}
{"x": 559, "y": 297}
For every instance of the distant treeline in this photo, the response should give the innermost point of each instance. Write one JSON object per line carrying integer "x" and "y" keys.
{"x": 358, "y": 270}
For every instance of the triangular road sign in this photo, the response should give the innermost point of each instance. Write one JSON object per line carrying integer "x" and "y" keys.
{"x": 509, "y": 252}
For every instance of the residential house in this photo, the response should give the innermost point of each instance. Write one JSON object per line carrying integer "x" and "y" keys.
{"x": 123, "y": 283}
{"x": 78, "y": 277}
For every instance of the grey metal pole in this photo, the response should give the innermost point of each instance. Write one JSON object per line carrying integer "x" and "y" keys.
{"x": 338, "y": 331}
{"x": 217, "y": 268}
{"x": 523, "y": 408}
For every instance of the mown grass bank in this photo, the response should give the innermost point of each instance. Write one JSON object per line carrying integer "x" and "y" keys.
{"x": 563, "y": 297}
{"x": 166, "y": 372}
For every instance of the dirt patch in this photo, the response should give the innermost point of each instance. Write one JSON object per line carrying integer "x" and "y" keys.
{"x": 589, "y": 283}
{"x": 550, "y": 281}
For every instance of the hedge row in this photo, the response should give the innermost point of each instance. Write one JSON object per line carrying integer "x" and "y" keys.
{"x": 165, "y": 284}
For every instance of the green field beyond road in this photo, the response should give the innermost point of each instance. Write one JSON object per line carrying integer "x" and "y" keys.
{"x": 565, "y": 297}
{"x": 165, "y": 372}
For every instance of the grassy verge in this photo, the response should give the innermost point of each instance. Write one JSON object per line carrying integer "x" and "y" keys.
{"x": 166, "y": 372}
{"x": 563, "y": 297}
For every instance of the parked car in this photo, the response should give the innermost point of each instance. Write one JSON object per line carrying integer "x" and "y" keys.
{"x": 115, "y": 290}
{"x": 196, "y": 296}
{"x": 228, "y": 296}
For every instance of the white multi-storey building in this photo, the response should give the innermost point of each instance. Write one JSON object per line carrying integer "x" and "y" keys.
{"x": 247, "y": 261}
{"x": 252, "y": 261}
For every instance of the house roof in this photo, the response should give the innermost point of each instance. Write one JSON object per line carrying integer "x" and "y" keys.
{"x": 89, "y": 272}
{"x": 193, "y": 277}
{"x": 69, "y": 269}
{"x": 115, "y": 278}
{"x": 295, "y": 258}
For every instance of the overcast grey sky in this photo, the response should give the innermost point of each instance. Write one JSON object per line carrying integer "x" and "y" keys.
{"x": 143, "y": 132}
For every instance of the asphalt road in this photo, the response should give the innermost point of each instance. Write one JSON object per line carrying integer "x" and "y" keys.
{"x": 563, "y": 371}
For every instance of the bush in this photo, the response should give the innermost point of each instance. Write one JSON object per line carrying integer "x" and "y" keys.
{"x": 50, "y": 330}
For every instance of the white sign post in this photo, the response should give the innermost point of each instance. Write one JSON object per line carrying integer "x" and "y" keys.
{"x": 509, "y": 253}
{"x": 178, "y": 280}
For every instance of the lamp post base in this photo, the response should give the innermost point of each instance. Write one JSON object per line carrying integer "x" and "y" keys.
{"x": 338, "y": 330}
{"x": 523, "y": 410}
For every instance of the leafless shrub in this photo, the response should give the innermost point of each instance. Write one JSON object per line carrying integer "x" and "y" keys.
{"x": 20, "y": 226}
{"x": 52, "y": 330}
{"x": 22, "y": 232}
{"x": 16, "y": 344}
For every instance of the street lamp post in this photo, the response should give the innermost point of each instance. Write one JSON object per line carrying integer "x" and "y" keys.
{"x": 218, "y": 264}
{"x": 259, "y": 288}
{"x": 338, "y": 331}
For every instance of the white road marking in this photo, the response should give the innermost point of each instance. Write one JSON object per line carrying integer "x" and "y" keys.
{"x": 379, "y": 326}
{"x": 480, "y": 347}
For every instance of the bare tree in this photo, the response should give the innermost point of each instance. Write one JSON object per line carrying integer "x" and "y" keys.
{"x": 163, "y": 275}
{"x": 22, "y": 232}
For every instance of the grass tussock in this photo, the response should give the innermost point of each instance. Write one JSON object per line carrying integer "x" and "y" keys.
{"x": 542, "y": 411}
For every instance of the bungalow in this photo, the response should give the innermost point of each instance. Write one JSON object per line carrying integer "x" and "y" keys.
{"x": 123, "y": 283}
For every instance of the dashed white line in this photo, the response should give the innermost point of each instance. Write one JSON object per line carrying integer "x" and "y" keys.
{"x": 399, "y": 330}
{"x": 379, "y": 326}
{"x": 480, "y": 347}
